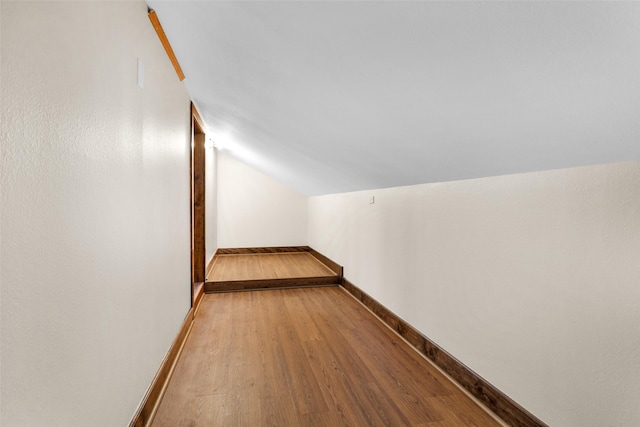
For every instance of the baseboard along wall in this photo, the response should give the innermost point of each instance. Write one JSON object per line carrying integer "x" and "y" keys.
{"x": 210, "y": 265}
{"x": 492, "y": 398}
{"x": 151, "y": 401}
{"x": 262, "y": 250}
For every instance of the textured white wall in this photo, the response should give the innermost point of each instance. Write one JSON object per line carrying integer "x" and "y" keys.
{"x": 531, "y": 280}
{"x": 95, "y": 211}
{"x": 255, "y": 210}
{"x": 211, "y": 203}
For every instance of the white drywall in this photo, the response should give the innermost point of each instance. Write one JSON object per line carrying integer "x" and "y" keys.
{"x": 95, "y": 269}
{"x": 337, "y": 96}
{"x": 531, "y": 280}
{"x": 255, "y": 210}
{"x": 211, "y": 203}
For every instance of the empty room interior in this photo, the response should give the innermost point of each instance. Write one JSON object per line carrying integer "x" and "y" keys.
{"x": 320, "y": 213}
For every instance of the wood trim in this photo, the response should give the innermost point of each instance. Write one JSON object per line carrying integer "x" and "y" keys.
{"x": 495, "y": 400}
{"x": 262, "y": 250}
{"x": 254, "y": 285}
{"x": 210, "y": 264}
{"x": 197, "y": 298}
{"x": 151, "y": 401}
{"x": 333, "y": 266}
{"x": 198, "y": 119}
{"x": 153, "y": 17}
{"x": 198, "y": 166}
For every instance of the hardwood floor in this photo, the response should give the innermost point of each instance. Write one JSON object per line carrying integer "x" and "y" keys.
{"x": 305, "y": 357}
{"x": 267, "y": 266}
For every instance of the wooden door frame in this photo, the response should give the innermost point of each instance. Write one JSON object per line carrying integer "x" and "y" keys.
{"x": 197, "y": 173}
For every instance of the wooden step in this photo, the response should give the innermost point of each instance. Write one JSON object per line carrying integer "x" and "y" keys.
{"x": 246, "y": 269}
{"x": 252, "y": 285}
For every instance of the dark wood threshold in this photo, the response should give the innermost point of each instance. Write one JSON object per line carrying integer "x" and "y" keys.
{"x": 253, "y": 285}
{"x": 495, "y": 400}
{"x": 151, "y": 401}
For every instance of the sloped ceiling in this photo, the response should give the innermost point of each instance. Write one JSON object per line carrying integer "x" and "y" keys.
{"x": 341, "y": 96}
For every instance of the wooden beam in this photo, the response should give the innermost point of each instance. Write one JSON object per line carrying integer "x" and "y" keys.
{"x": 153, "y": 17}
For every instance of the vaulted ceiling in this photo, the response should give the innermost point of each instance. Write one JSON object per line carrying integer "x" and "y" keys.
{"x": 341, "y": 96}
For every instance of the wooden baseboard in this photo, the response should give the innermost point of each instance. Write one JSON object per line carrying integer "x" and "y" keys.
{"x": 210, "y": 265}
{"x": 495, "y": 400}
{"x": 263, "y": 250}
{"x": 147, "y": 410}
{"x": 255, "y": 285}
{"x": 333, "y": 266}
{"x": 198, "y": 298}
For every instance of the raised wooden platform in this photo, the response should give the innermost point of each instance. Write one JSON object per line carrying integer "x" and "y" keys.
{"x": 270, "y": 268}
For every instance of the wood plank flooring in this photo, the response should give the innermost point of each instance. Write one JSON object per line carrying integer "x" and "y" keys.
{"x": 305, "y": 357}
{"x": 267, "y": 266}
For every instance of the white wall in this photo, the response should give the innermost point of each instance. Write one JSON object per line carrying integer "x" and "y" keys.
{"x": 95, "y": 212}
{"x": 256, "y": 210}
{"x": 532, "y": 280}
{"x": 211, "y": 203}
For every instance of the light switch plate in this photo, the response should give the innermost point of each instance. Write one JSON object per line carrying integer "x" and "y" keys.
{"x": 372, "y": 199}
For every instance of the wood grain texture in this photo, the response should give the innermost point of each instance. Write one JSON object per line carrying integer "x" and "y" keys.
{"x": 261, "y": 250}
{"x": 151, "y": 401}
{"x": 198, "y": 293}
{"x": 153, "y": 17}
{"x": 312, "y": 357}
{"x": 503, "y": 406}
{"x": 198, "y": 213}
{"x": 262, "y": 284}
{"x": 267, "y": 266}
{"x": 334, "y": 266}
{"x": 210, "y": 264}
{"x": 198, "y": 119}
{"x": 268, "y": 270}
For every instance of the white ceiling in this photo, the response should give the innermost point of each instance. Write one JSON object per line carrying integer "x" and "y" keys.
{"x": 341, "y": 96}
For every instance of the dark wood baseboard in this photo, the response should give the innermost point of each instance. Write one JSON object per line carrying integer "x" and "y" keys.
{"x": 197, "y": 298}
{"x": 264, "y": 250}
{"x": 145, "y": 413}
{"x": 495, "y": 400}
{"x": 210, "y": 265}
{"x": 254, "y": 285}
{"x": 333, "y": 266}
